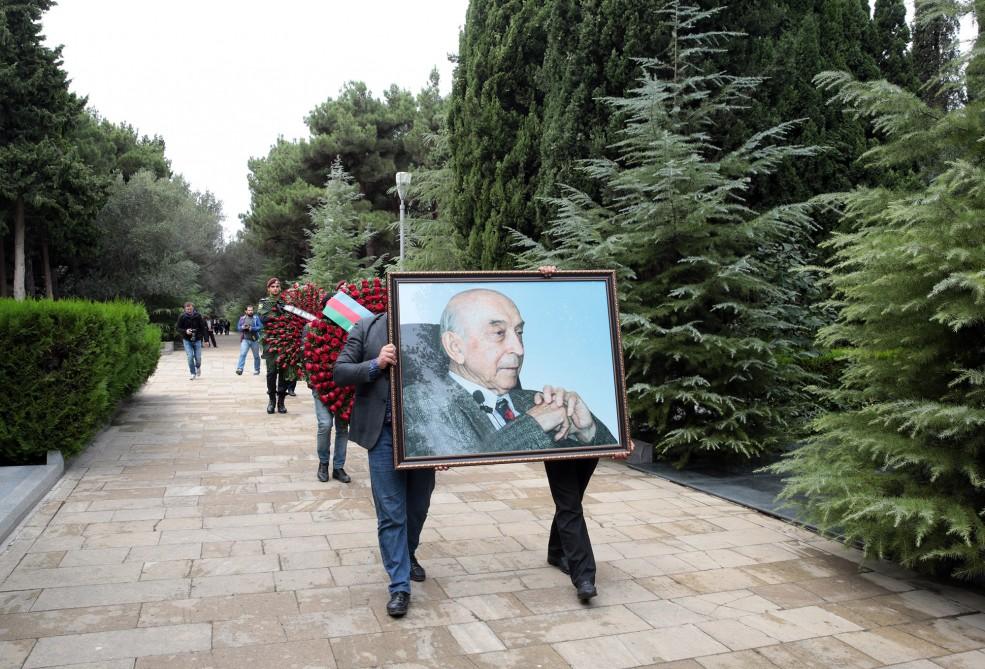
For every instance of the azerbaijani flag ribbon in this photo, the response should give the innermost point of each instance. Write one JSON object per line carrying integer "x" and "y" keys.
{"x": 345, "y": 311}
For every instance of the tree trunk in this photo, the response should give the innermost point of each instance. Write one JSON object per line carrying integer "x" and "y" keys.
{"x": 30, "y": 282}
{"x": 19, "y": 293}
{"x": 3, "y": 267}
{"x": 49, "y": 286}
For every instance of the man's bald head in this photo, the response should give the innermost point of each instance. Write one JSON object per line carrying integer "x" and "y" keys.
{"x": 482, "y": 335}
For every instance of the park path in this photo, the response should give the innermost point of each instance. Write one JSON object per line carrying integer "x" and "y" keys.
{"x": 193, "y": 533}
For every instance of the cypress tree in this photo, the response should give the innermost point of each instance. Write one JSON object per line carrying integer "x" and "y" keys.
{"x": 708, "y": 329}
{"x": 898, "y": 465}
{"x": 592, "y": 47}
{"x": 934, "y": 50}
{"x": 892, "y": 43}
{"x": 495, "y": 124}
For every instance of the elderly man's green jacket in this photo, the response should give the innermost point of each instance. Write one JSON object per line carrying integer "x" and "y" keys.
{"x": 442, "y": 418}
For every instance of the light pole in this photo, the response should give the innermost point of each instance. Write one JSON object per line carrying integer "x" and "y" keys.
{"x": 403, "y": 182}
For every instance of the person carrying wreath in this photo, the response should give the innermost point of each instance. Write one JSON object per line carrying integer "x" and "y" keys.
{"x": 272, "y": 306}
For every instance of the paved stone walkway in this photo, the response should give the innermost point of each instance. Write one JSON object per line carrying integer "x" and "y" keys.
{"x": 194, "y": 533}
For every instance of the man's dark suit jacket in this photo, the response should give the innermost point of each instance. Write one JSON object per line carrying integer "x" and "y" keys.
{"x": 442, "y": 418}
{"x": 363, "y": 345}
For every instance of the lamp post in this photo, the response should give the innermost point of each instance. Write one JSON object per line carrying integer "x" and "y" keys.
{"x": 403, "y": 182}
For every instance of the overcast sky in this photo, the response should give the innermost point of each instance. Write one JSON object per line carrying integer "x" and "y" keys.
{"x": 221, "y": 79}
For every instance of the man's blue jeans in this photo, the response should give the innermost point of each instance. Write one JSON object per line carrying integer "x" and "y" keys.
{"x": 325, "y": 419}
{"x": 247, "y": 345}
{"x": 402, "y": 500}
{"x": 194, "y": 352}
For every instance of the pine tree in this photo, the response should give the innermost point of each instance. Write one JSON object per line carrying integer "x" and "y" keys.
{"x": 708, "y": 329}
{"x": 339, "y": 234}
{"x": 495, "y": 124}
{"x": 898, "y": 464}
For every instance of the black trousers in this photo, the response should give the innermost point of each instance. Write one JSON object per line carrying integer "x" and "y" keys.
{"x": 569, "y": 533}
{"x": 276, "y": 384}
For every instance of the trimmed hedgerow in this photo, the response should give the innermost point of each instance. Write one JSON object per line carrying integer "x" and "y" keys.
{"x": 64, "y": 367}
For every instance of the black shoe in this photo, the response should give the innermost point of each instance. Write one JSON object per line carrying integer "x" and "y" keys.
{"x": 417, "y": 572}
{"x": 397, "y": 606}
{"x": 239, "y": 372}
{"x": 323, "y": 471}
{"x": 586, "y": 590}
{"x": 280, "y": 404}
{"x": 292, "y": 393}
{"x": 271, "y": 405}
{"x": 561, "y": 563}
{"x": 340, "y": 475}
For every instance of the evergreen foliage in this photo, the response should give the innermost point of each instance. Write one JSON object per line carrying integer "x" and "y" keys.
{"x": 708, "y": 329}
{"x": 112, "y": 149}
{"x": 892, "y": 43}
{"x": 280, "y": 199}
{"x": 374, "y": 138}
{"x": 44, "y": 185}
{"x": 523, "y": 114}
{"x": 79, "y": 359}
{"x": 935, "y": 48}
{"x": 156, "y": 238}
{"x": 494, "y": 120}
{"x": 340, "y": 233}
{"x": 590, "y": 55}
{"x": 791, "y": 41}
{"x": 433, "y": 241}
{"x": 898, "y": 464}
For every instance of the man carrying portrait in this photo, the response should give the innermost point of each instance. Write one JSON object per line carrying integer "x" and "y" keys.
{"x": 477, "y": 406}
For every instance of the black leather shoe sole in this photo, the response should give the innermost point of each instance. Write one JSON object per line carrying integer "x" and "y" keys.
{"x": 560, "y": 563}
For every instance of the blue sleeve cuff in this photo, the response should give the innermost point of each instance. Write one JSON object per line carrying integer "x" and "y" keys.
{"x": 374, "y": 369}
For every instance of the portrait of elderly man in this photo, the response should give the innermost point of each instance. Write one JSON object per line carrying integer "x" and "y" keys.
{"x": 476, "y": 404}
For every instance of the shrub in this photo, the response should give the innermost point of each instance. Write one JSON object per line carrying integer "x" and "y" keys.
{"x": 65, "y": 366}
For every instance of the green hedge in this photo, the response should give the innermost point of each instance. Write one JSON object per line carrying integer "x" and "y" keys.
{"x": 64, "y": 367}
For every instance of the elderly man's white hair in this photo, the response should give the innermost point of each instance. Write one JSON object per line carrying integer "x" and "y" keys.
{"x": 450, "y": 316}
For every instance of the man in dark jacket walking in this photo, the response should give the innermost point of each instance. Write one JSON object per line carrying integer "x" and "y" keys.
{"x": 191, "y": 325}
{"x": 402, "y": 498}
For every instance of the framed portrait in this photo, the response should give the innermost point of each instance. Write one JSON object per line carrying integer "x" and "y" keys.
{"x": 505, "y": 367}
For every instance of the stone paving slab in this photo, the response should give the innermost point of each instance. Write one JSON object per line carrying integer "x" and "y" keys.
{"x": 193, "y": 533}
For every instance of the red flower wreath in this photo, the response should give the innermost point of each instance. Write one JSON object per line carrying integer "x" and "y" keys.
{"x": 325, "y": 341}
{"x": 282, "y": 333}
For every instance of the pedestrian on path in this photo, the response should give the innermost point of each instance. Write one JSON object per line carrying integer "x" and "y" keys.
{"x": 270, "y": 307}
{"x": 192, "y": 327}
{"x": 325, "y": 420}
{"x": 569, "y": 548}
{"x": 249, "y": 339}
{"x": 401, "y": 498}
{"x": 210, "y": 326}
